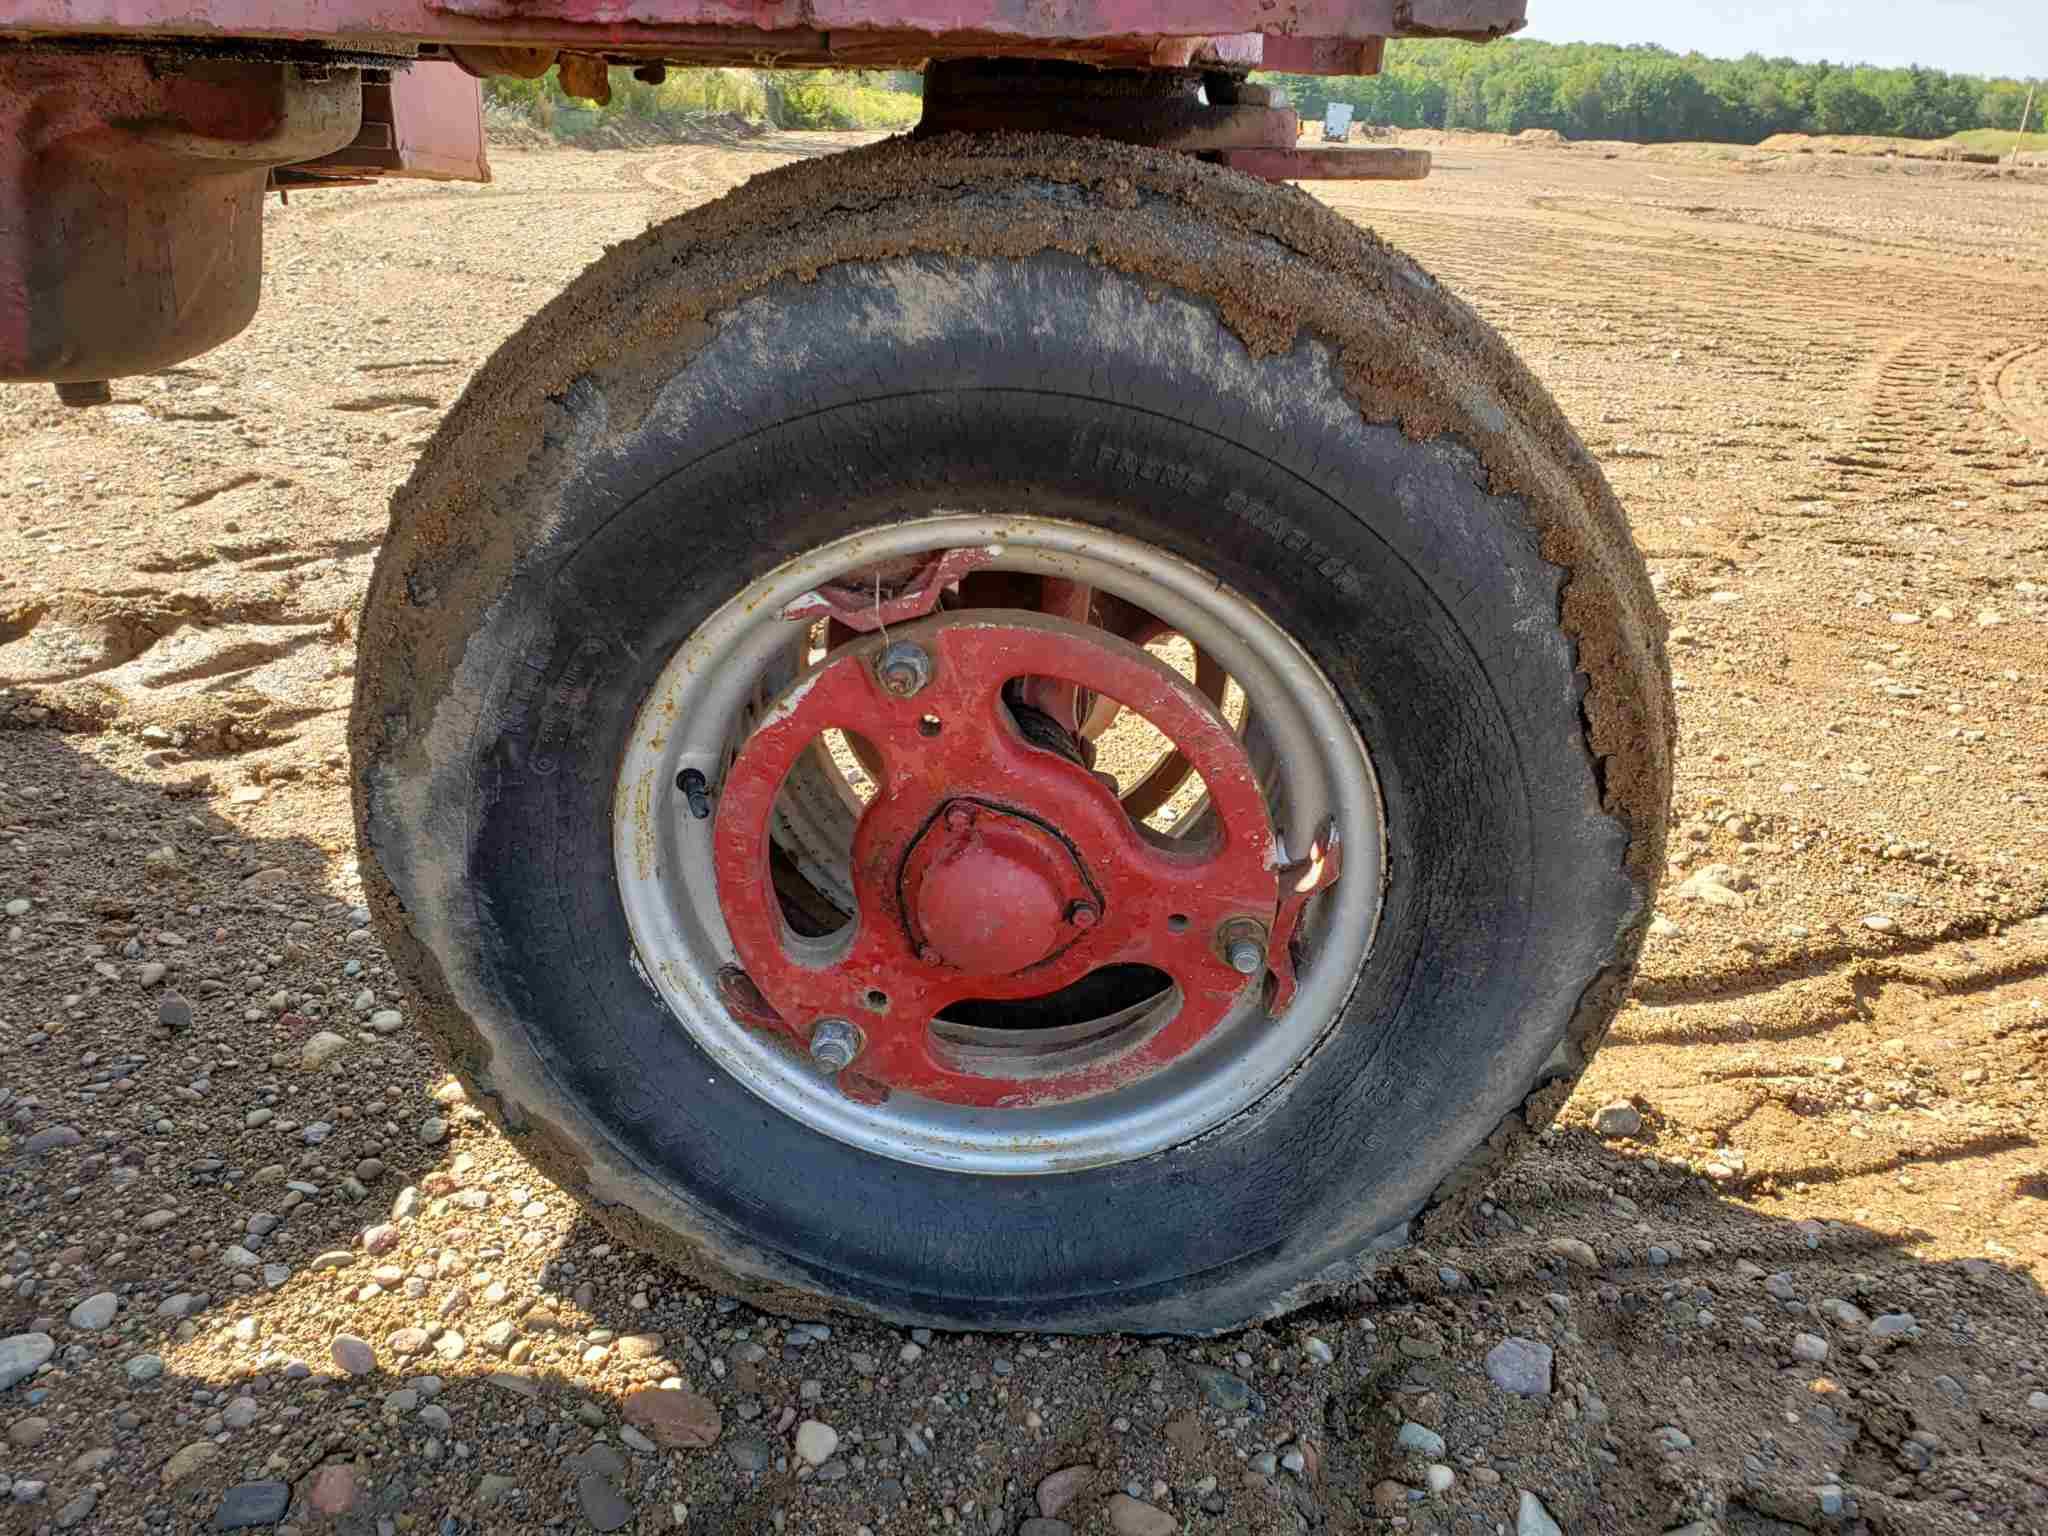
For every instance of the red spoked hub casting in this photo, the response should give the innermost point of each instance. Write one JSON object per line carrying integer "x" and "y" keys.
{"x": 993, "y": 866}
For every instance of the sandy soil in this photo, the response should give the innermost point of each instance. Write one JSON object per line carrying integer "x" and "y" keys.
{"x": 1821, "y": 388}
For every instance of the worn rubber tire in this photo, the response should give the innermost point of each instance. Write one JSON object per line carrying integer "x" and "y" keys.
{"x": 1222, "y": 368}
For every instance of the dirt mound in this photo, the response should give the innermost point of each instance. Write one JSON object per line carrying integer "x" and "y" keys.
{"x": 1539, "y": 136}
{"x": 1874, "y": 144}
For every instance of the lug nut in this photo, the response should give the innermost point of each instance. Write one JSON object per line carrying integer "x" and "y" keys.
{"x": 903, "y": 668}
{"x": 834, "y": 1044}
{"x": 1242, "y": 941}
{"x": 1082, "y": 914}
{"x": 1245, "y": 957}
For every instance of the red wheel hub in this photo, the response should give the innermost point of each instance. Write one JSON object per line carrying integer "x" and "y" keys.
{"x": 990, "y": 892}
{"x": 992, "y": 868}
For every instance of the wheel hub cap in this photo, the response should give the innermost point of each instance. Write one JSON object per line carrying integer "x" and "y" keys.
{"x": 991, "y": 892}
{"x": 990, "y": 867}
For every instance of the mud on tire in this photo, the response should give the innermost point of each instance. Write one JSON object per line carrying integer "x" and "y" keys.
{"x": 1121, "y": 339}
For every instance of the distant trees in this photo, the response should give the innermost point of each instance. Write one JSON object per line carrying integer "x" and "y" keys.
{"x": 1600, "y": 91}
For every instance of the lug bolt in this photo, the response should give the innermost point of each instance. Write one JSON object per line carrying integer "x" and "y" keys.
{"x": 903, "y": 668}
{"x": 835, "y": 1043}
{"x": 959, "y": 817}
{"x": 1243, "y": 942}
{"x": 1083, "y": 914}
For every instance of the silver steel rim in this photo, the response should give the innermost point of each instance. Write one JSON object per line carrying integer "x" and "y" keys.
{"x": 1318, "y": 774}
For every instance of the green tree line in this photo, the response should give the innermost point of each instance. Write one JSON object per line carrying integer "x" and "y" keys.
{"x": 1651, "y": 95}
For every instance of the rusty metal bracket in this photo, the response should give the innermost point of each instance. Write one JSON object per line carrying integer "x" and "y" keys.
{"x": 1178, "y": 109}
{"x": 131, "y": 194}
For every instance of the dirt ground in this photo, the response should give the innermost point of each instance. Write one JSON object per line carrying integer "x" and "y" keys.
{"x": 1806, "y": 1294}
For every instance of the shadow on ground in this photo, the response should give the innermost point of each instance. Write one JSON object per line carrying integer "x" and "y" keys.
{"x": 1688, "y": 1358}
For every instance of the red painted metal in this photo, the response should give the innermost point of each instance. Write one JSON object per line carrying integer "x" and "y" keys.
{"x": 883, "y": 596}
{"x": 131, "y": 201}
{"x": 1300, "y": 883}
{"x": 1138, "y": 32}
{"x": 425, "y": 124}
{"x": 1049, "y": 835}
{"x": 990, "y": 892}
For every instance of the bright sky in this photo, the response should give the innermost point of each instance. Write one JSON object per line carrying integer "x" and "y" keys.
{"x": 1976, "y": 37}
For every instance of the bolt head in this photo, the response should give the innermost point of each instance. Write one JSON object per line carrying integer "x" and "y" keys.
{"x": 929, "y": 954}
{"x": 1083, "y": 914}
{"x": 835, "y": 1043}
{"x": 903, "y": 668}
{"x": 1245, "y": 957}
{"x": 959, "y": 817}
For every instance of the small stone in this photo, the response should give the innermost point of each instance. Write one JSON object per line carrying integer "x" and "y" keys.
{"x": 321, "y": 1049}
{"x": 187, "y": 1461}
{"x": 639, "y": 1346}
{"x": 1521, "y": 1366}
{"x": 1059, "y": 1489}
{"x": 386, "y": 1021}
{"x": 95, "y": 1312}
{"x": 1532, "y": 1519}
{"x": 749, "y": 1452}
{"x": 241, "y": 1413}
{"x": 633, "y": 1439}
{"x": 1716, "y": 885}
{"x": 174, "y": 1012}
{"x": 1420, "y": 1439}
{"x": 29, "y": 1432}
{"x": 250, "y": 1504}
{"x": 1809, "y": 1347}
{"x": 1877, "y": 922}
{"x": 1439, "y": 1477}
{"x": 144, "y": 1368}
{"x": 433, "y": 1130}
{"x": 672, "y": 1419}
{"x": 1129, "y": 1517}
{"x": 602, "y": 1504}
{"x": 1222, "y": 1390}
{"x": 1574, "y": 1252}
{"x": 492, "y": 1488}
{"x": 1037, "y": 1526}
{"x": 332, "y": 1490}
{"x": 407, "y": 1342}
{"x": 23, "y": 1354}
{"x": 52, "y": 1138}
{"x": 1895, "y": 1325}
{"x": 1318, "y": 1351}
{"x": 1846, "y": 1313}
{"x": 1620, "y": 1118}
{"x": 815, "y": 1442}
{"x": 353, "y": 1355}
{"x": 74, "y": 1512}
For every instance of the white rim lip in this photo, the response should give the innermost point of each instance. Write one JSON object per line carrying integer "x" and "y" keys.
{"x": 662, "y": 857}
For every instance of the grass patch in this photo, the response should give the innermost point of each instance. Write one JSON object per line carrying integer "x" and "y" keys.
{"x": 1999, "y": 141}
{"x": 784, "y": 99}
